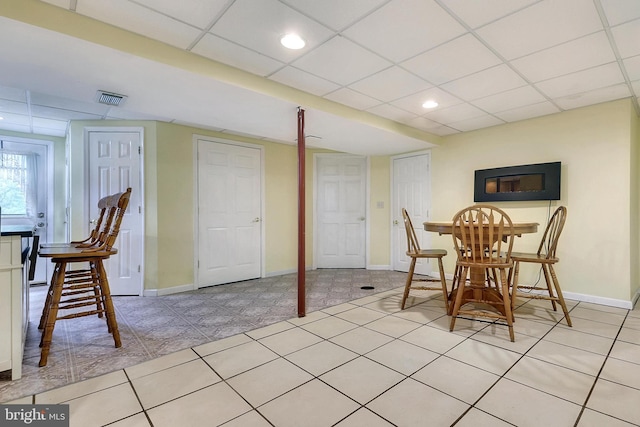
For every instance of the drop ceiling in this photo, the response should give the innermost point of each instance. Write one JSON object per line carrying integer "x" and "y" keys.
{"x": 368, "y": 66}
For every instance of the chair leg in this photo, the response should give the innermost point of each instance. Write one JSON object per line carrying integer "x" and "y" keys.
{"x": 556, "y": 284}
{"x": 549, "y": 289}
{"x": 407, "y": 285}
{"x": 454, "y": 285}
{"x": 514, "y": 284}
{"x": 459, "y": 292}
{"x": 444, "y": 284}
{"x": 52, "y": 312}
{"x": 108, "y": 303}
{"x": 507, "y": 302}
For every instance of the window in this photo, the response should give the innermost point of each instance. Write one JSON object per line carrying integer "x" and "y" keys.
{"x": 15, "y": 184}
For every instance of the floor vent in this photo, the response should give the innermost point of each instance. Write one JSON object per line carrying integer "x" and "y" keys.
{"x": 110, "y": 98}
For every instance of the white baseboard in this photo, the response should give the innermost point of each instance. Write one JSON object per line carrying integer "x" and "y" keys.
{"x": 610, "y": 302}
{"x": 168, "y": 291}
{"x": 379, "y": 267}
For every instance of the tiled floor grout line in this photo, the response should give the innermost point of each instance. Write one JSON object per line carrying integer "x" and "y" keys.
{"x": 593, "y": 386}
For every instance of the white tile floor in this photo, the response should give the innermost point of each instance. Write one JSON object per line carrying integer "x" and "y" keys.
{"x": 366, "y": 363}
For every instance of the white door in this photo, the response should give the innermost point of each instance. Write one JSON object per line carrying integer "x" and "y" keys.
{"x": 24, "y": 159}
{"x": 229, "y": 213}
{"x": 412, "y": 191}
{"x": 114, "y": 165}
{"x": 340, "y": 211}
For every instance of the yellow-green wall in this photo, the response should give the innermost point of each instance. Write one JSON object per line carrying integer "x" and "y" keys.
{"x": 598, "y": 147}
{"x": 595, "y": 148}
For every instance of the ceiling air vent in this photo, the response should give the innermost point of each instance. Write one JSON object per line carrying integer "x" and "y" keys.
{"x": 110, "y": 98}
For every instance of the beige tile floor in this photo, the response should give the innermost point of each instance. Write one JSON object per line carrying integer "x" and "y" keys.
{"x": 367, "y": 363}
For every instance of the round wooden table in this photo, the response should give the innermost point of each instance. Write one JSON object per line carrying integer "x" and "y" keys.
{"x": 477, "y": 275}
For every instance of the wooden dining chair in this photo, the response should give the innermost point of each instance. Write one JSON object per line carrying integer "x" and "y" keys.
{"x": 546, "y": 258}
{"x": 83, "y": 292}
{"x": 483, "y": 240}
{"x": 415, "y": 252}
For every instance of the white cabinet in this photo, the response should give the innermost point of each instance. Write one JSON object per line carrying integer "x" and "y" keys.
{"x": 14, "y": 304}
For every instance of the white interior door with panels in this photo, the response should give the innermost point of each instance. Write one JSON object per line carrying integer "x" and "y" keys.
{"x": 341, "y": 193}
{"x": 229, "y": 223}
{"x": 411, "y": 189}
{"x": 115, "y": 159}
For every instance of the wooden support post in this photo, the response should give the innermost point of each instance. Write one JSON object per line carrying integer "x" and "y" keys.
{"x": 301, "y": 216}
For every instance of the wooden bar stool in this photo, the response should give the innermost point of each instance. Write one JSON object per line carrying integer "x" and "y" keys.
{"x": 86, "y": 291}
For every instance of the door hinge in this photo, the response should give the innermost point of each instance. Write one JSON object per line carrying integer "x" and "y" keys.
{"x": 139, "y": 150}
{"x": 139, "y": 269}
{"x": 139, "y": 209}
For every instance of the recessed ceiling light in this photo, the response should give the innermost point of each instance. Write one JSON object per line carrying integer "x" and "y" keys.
{"x": 430, "y": 104}
{"x": 292, "y": 41}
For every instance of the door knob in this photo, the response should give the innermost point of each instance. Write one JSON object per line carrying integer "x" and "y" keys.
{"x": 395, "y": 222}
{"x": 256, "y": 219}
{"x": 361, "y": 218}
{"x": 40, "y": 214}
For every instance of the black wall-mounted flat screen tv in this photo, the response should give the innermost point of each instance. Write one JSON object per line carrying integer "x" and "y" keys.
{"x": 539, "y": 181}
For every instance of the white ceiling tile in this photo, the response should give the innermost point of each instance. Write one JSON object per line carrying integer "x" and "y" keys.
{"x": 390, "y": 84}
{"x": 525, "y": 95}
{"x": 632, "y": 65}
{"x": 627, "y": 38}
{"x": 41, "y": 122}
{"x": 443, "y": 131}
{"x": 302, "y": 80}
{"x": 477, "y": 13}
{"x": 259, "y": 25}
{"x": 636, "y": 86}
{"x": 540, "y": 26}
{"x": 476, "y": 123}
{"x": 582, "y": 81}
{"x": 15, "y": 119}
{"x": 49, "y": 131}
{"x": 414, "y": 102}
{"x": 9, "y": 106}
{"x": 404, "y": 28}
{"x": 341, "y": 61}
{"x": 529, "y": 111}
{"x": 593, "y": 97}
{"x": 199, "y": 13}
{"x": 393, "y": 113}
{"x": 576, "y": 55}
{"x": 488, "y": 82}
{"x": 62, "y": 114}
{"x": 13, "y": 94}
{"x": 4, "y": 125}
{"x": 424, "y": 123}
{"x": 619, "y": 11}
{"x": 335, "y": 14}
{"x": 449, "y": 61}
{"x": 213, "y": 47}
{"x": 61, "y": 3}
{"x": 455, "y": 114}
{"x": 353, "y": 99}
{"x": 42, "y": 99}
{"x": 139, "y": 19}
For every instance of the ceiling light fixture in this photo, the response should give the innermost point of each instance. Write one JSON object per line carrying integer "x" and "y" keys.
{"x": 430, "y": 104}
{"x": 292, "y": 41}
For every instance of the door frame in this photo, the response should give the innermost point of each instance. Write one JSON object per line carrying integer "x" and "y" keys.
{"x": 367, "y": 202}
{"x": 86, "y": 214}
{"x": 196, "y": 211}
{"x": 394, "y": 244}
